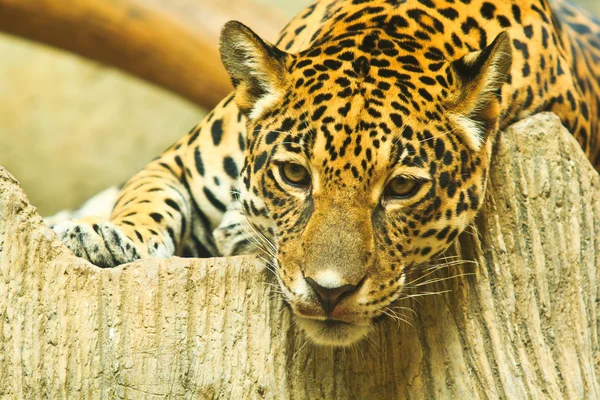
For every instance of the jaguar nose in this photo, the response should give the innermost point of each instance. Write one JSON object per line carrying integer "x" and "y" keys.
{"x": 330, "y": 297}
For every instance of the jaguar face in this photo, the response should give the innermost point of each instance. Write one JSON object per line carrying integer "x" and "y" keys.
{"x": 361, "y": 164}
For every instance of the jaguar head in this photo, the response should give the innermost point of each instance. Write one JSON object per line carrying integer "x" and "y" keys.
{"x": 362, "y": 162}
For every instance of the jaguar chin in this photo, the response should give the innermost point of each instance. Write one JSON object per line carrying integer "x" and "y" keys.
{"x": 331, "y": 332}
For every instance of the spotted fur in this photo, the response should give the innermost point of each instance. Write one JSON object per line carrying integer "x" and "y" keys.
{"x": 358, "y": 93}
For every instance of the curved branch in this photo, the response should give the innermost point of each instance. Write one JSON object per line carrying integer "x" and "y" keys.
{"x": 171, "y": 44}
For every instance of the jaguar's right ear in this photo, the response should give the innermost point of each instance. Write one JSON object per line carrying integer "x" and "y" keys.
{"x": 257, "y": 68}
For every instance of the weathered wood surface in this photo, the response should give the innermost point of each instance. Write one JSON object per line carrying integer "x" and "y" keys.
{"x": 173, "y": 44}
{"x": 524, "y": 325}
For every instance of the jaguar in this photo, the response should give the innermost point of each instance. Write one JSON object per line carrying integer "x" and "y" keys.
{"x": 355, "y": 148}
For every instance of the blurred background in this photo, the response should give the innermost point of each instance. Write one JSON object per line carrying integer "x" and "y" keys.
{"x": 69, "y": 127}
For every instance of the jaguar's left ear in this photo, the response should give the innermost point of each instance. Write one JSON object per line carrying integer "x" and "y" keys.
{"x": 257, "y": 68}
{"x": 475, "y": 104}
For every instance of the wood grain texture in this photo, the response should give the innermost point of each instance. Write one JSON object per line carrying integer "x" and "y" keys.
{"x": 173, "y": 44}
{"x": 520, "y": 320}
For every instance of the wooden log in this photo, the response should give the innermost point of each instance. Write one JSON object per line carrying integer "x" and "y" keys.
{"x": 519, "y": 320}
{"x": 171, "y": 44}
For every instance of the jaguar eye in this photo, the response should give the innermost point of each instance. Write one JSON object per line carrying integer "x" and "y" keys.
{"x": 295, "y": 174}
{"x": 402, "y": 188}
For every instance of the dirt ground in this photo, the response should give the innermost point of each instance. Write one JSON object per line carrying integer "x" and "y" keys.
{"x": 71, "y": 127}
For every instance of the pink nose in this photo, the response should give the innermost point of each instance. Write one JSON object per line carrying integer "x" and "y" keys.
{"x": 330, "y": 297}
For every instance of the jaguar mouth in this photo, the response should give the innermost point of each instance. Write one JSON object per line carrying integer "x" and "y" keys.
{"x": 332, "y": 332}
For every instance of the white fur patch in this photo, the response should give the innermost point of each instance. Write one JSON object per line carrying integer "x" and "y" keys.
{"x": 263, "y": 103}
{"x": 473, "y": 131}
{"x": 328, "y": 279}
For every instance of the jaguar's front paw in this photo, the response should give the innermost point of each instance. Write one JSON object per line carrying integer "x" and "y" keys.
{"x": 98, "y": 241}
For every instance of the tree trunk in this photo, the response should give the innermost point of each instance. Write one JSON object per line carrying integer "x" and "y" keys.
{"x": 518, "y": 318}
